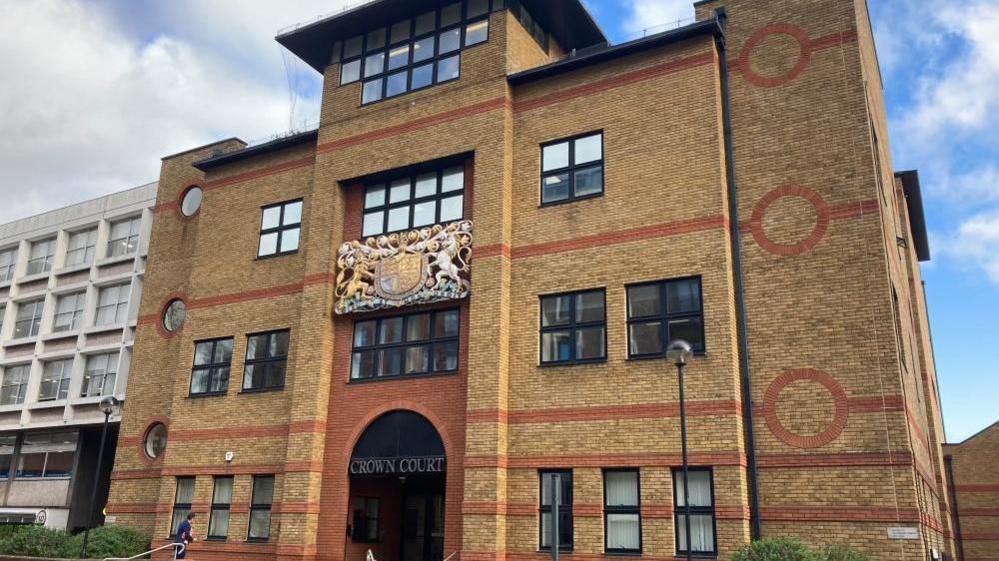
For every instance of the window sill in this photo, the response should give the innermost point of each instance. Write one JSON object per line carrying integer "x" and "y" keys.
{"x": 6, "y": 283}
{"x": 572, "y": 200}
{"x": 42, "y": 478}
{"x": 275, "y": 255}
{"x": 253, "y": 391}
{"x": 623, "y": 553}
{"x": 403, "y": 377}
{"x": 216, "y": 539}
{"x": 26, "y": 279}
{"x": 73, "y": 269}
{"x": 103, "y": 328}
{"x": 258, "y": 541}
{"x": 207, "y": 395}
{"x": 572, "y": 363}
{"x": 116, "y": 259}
{"x": 57, "y": 335}
{"x": 643, "y": 358}
{"x": 12, "y": 407}
{"x": 48, "y": 404}
{"x": 19, "y": 342}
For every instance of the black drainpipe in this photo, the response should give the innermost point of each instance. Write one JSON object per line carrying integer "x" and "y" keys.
{"x": 956, "y": 517}
{"x": 739, "y": 285}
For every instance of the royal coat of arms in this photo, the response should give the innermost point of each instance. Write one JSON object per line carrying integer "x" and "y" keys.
{"x": 415, "y": 267}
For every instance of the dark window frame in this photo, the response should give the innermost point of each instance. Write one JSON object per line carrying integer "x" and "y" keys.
{"x": 227, "y": 507}
{"x": 572, "y": 168}
{"x": 260, "y": 507}
{"x": 280, "y": 229}
{"x": 677, "y": 474}
{"x": 368, "y": 519}
{"x": 665, "y": 317}
{"x": 179, "y": 507}
{"x": 268, "y": 360}
{"x": 411, "y": 39}
{"x": 428, "y": 343}
{"x": 563, "y": 509}
{"x": 572, "y": 327}
{"x": 211, "y": 367}
{"x": 385, "y": 182}
{"x": 636, "y": 510}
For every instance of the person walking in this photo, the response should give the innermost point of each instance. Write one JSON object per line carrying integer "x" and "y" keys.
{"x": 185, "y": 535}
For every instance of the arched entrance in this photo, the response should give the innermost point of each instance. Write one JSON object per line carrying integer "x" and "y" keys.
{"x": 397, "y": 473}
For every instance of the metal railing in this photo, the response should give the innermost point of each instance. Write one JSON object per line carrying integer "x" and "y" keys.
{"x": 178, "y": 549}
{"x": 346, "y": 8}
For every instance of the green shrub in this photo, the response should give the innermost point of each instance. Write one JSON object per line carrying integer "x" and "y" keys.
{"x": 841, "y": 553}
{"x": 7, "y": 530}
{"x": 107, "y": 541}
{"x": 34, "y": 541}
{"x": 775, "y": 549}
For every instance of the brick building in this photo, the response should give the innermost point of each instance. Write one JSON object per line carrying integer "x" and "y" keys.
{"x": 973, "y": 476}
{"x": 392, "y": 332}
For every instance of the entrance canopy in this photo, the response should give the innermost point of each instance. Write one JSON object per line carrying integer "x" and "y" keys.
{"x": 398, "y": 443}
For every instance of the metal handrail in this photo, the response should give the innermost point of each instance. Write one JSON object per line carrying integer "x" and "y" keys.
{"x": 150, "y": 552}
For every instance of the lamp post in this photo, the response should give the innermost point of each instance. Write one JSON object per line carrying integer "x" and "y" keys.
{"x": 678, "y": 352}
{"x": 107, "y": 405}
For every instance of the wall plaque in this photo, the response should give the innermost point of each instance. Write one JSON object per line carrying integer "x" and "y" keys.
{"x": 416, "y": 267}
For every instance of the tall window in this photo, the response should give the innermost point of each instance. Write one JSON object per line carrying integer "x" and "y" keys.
{"x": 414, "y": 53}
{"x": 55, "y": 380}
{"x": 662, "y": 312}
{"x": 218, "y": 519}
{"x": 280, "y": 229}
{"x": 82, "y": 247}
{"x": 182, "y": 501}
{"x": 14, "y": 384}
{"x": 702, "y": 512}
{"x": 405, "y": 345}
{"x": 69, "y": 312}
{"x": 414, "y": 201}
{"x": 266, "y": 361}
{"x": 124, "y": 237}
{"x": 210, "y": 374}
{"x": 40, "y": 258}
{"x": 112, "y": 305}
{"x": 100, "y": 374}
{"x": 573, "y": 328}
{"x": 29, "y": 318}
{"x": 260, "y": 508}
{"x": 8, "y": 260}
{"x": 7, "y": 444}
{"x": 47, "y": 455}
{"x": 622, "y": 512}
{"x": 564, "y": 513}
{"x": 3, "y": 313}
{"x": 365, "y": 519}
{"x": 572, "y": 169}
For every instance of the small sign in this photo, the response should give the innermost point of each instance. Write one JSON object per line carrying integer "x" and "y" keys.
{"x": 110, "y": 520}
{"x": 396, "y": 466}
{"x": 41, "y": 517}
{"x": 903, "y": 533}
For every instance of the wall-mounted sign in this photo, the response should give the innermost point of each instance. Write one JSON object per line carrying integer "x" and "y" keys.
{"x": 903, "y": 533}
{"x": 397, "y": 466}
{"x": 415, "y": 267}
{"x": 41, "y": 516}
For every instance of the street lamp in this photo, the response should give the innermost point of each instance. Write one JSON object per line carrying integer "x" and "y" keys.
{"x": 678, "y": 352}
{"x": 107, "y": 405}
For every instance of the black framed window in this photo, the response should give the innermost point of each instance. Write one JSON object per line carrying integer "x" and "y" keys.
{"x": 574, "y": 328}
{"x": 564, "y": 514}
{"x": 218, "y": 519}
{"x": 365, "y": 514}
{"x": 210, "y": 373}
{"x": 414, "y": 344}
{"x": 661, "y": 312}
{"x": 414, "y": 53}
{"x": 702, "y": 512}
{"x": 622, "y": 511}
{"x": 435, "y": 196}
{"x": 260, "y": 508}
{"x": 572, "y": 168}
{"x": 182, "y": 501}
{"x": 266, "y": 361}
{"x": 280, "y": 229}
{"x": 530, "y": 24}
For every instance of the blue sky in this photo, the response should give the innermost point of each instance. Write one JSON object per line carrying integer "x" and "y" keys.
{"x": 128, "y": 82}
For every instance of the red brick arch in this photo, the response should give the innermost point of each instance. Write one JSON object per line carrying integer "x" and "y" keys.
{"x": 399, "y": 405}
{"x": 825, "y": 437}
{"x": 804, "y": 57}
{"x": 818, "y": 232}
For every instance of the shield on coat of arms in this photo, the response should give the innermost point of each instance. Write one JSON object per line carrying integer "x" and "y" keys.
{"x": 399, "y": 276}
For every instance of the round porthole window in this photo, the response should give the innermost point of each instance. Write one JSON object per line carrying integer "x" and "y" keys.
{"x": 156, "y": 441}
{"x": 191, "y": 203}
{"x": 173, "y": 316}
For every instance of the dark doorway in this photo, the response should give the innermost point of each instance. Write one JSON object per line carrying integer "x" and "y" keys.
{"x": 423, "y": 519}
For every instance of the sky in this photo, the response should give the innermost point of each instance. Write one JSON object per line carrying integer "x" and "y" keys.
{"x": 95, "y": 92}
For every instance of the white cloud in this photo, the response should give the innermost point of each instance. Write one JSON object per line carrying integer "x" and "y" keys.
{"x": 91, "y": 99}
{"x": 653, "y": 16}
{"x": 975, "y": 243}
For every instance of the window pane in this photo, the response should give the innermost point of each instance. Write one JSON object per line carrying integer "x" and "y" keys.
{"x": 400, "y": 31}
{"x": 621, "y": 488}
{"x": 451, "y": 14}
{"x": 274, "y": 375}
{"x": 555, "y": 188}
{"x": 556, "y": 346}
{"x": 263, "y": 490}
{"x": 199, "y": 381}
{"x": 446, "y": 324}
{"x": 426, "y": 184}
{"x": 453, "y": 179}
{"x": 272, "y": 218}
{"x": 372, "y": 91}
{"x": 683, "y": 296}
{"x": 445, "y": 357}
{"x": 218, "y": 525}
{"x": 397, "y": 84}
{"x": 623, "y": 531}
{"x": 424, "y": 49}
{"x": 555, "y": 156}
{"x": 260, "y": 524}
{"x": 364, "y": 333}
{"x": 644, "y": 301}
{"x": 350, "y": 72}
{"x": 589, "y": 181}
{"x": 279, "y": 343}
{"x": 391, "y": 331}
{"x": 391, "y": 362}
{"x": 690, "y": 330}
{"x": 418, "y": 327}
{"x": 223, "y": 491}
{"x": 268, "y": 244}
{"x": 451, "y": 208}
{"x": 292, "y": 214}
{"x": 223, "y": 351}
{"x": 423, "y": 76}
{"x": 374, "y": 64}
{"x": 363, "y": 365}
{"x": 590, "y": 343}
{"x": 426, "y": 23}
{"x": 700, "y": 488}
{"x": 202, "y": 353}
{"x": 399, "y": 191}
{"x": 289, "y": 239}
{"x": 556, "y": 310}
{"x": 185, "y": 491}
{"x": 448, "y": 69}
{"x": 59, "y": 464}
{"x": 31, "y": 465}
{"x": 398, "y": 219}
{"x": 477, "y": 7}
{"x": 590, "y": 307}
{"x": 398, "y": 57}
{"x": 374, "y": 196}
{"x": 702, "y": 532}
{"x": 424, "y": 214}
{"x": 376, "y": 39}
{"x": 645, "y": 338}
{"x": 374, "y": 224}
{"x": 417, "y": 360}
{"x": 564, "y": 529}
{"x": 589, "y": 149}
{"x": 352, "y": 47}
{"x": 476, "y": 33}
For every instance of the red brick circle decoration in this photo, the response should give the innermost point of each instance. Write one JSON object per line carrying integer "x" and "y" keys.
{"x": 831, "y": 432}
{"x": 804, "y": 57}
{"x": 809, "y": 243}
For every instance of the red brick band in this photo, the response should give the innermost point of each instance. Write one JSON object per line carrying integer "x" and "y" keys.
{"x": 603, "y": 460}
{"x": 706, "y": 408}
{"x": 831, "y": 432}
{"x": 806, "y": 47}
{"x": 818, "y": 232}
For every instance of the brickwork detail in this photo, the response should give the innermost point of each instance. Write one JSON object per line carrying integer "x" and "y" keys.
{"x": 835, "y": 425}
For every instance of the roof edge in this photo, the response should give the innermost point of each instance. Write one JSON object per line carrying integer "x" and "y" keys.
{"x": 917, "y": 217}
{"x": 258, "y": 150}
{"x": 974, "y": 436}
{"x": 203, "y": 146}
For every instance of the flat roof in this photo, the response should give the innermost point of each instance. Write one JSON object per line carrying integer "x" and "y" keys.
{"x": 917, "y": 218}
{"x": 260, "y": 149}
{"x": 568, "y": 21}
